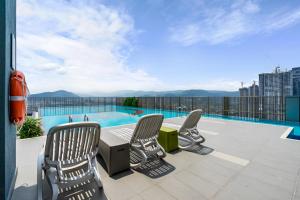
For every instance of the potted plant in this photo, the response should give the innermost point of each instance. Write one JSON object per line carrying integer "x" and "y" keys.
{"x": 31, "y": 128}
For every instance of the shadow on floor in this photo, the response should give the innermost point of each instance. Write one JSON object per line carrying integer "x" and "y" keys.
{"x": 135, "y": 158}
{"x": 88, "y": 190}
{"x": 120, "y": 175}
{"x": 115, "y": 176}
{"x": 175, "y": 151}
{"x": 156, "y": 168}
{"x": 25, "y": 192}
{"x": 200, "y": 149}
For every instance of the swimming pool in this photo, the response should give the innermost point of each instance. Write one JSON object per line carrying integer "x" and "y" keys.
{"x": 107, "y": 116}
{"x": 111, "y": 115}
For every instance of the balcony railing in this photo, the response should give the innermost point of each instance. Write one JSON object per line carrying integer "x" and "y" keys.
{"x": 270, "y": 108}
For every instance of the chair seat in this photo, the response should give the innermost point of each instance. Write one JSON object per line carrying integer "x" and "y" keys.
{"x": 70, "y": 174}
{"x": 152, "y": 150}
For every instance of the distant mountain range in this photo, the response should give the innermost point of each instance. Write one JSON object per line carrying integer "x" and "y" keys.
{"x": 176, "y": 93}
{"x": 59, "y": 93}
{"x": 126, "y": 93}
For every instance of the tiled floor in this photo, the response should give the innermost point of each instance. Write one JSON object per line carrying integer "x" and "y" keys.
{"x": 240, "y": 160}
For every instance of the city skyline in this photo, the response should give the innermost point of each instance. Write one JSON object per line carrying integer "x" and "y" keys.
{"x": 153, "y": 45}
{"x": 276, "y": 83}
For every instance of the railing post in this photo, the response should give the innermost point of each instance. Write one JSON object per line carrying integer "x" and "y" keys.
{"x": 208, "y": 105}
{"x": 226, "y": 106}
{"x": 192, "y": 103}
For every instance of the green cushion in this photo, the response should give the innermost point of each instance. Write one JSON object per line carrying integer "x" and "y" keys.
{"x": 168, "y": 138}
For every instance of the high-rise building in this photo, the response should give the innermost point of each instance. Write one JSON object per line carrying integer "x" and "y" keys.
{"x": 296, "y": 81}
{"x": 273, "y": 87}
{"x": 244, "y": 92}
{"x": 243, "y": 103}
{"x": 248, "y": 104}
{"x": 276, "y": 83}
{"x": 254, "y": 90}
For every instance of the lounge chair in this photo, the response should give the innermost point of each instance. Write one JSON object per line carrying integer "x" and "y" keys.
{"x": 143, "y": 139}
{"x": 69, "y": 157}
{"x": 188, "y": 132}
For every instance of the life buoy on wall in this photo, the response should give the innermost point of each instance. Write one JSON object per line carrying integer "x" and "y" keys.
{"x": 18, "y": 97}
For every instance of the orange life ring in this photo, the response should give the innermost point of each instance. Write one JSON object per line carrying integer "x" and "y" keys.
{"x": 18, "y": 96}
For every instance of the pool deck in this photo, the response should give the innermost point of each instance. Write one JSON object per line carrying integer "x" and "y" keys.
{"x": 239, "y": 161}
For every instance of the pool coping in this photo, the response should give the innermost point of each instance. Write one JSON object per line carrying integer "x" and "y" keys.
{"x": 287, "y": 132}
{"x": 285, "y": 135}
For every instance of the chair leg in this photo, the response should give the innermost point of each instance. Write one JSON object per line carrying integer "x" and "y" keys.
{"x": 39, "y": 175}
{"x": 144, "y": 157}
{"x": 55, "y": 191}
{"x": 203, "y": 140}
{"x": 97, "y": 179}
{"x": 162, "y": 150}
{"x": 187, "y": 139}
{"x": 96, "y": 173}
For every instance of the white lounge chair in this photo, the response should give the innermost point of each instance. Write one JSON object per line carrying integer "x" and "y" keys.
{"x": 143, "y": 139}
{"x": 69, "y": 157}
{"x": 188, "y": 132}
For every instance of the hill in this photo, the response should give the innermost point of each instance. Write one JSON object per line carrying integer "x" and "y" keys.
{"x": 128, "y": 93}
{"x": 173, "y": 93}
{"x": 59, "y": 93}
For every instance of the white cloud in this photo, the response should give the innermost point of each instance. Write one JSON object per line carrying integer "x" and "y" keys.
{"x": 282, "y": 19}
{"x": 251, "y": 7}
{"x": 76, "y": 46}
{"x": 215, "y": 25}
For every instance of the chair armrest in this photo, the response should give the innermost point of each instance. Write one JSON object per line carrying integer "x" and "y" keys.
{"x": 147, "y": 144}
{"x": 191, "y": 130}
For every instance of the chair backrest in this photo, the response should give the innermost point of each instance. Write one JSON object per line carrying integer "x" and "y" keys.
{"x": 191, "y": 121}
{"x": 72, "y": 141}
{"x": 147, "y": 128}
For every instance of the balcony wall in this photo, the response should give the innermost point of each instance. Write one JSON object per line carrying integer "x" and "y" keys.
{"x": 7, "y": 130}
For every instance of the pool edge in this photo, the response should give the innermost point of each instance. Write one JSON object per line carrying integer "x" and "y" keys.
{"x": 286, "y": 134}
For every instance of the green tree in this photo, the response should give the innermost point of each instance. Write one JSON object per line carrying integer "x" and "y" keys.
{"x": 131, "y": 101}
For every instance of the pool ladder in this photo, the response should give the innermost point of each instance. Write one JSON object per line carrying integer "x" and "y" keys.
{"x": 70, "y": 119}
{"x": 85, "y": 118}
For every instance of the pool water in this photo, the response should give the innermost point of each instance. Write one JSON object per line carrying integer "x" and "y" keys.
{"x": 110, "y": 115}
{"x": 105, "y": 116}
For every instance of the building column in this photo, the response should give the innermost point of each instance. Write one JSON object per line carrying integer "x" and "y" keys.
{"x": 7, "y": 130}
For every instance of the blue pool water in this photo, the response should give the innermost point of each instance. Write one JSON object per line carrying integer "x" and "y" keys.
{"x": 111, "y": 115}
{"x": 107, "y": 116}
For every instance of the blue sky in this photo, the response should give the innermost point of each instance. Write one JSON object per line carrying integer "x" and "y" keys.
{"x": 93, "y": 46}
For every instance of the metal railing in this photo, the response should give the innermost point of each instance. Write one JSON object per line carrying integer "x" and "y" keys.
{"x": 70, "y": 105}
{"x": 270, "y": 108}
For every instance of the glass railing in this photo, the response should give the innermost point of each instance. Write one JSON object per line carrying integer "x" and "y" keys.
{"x": 270, "y": 108}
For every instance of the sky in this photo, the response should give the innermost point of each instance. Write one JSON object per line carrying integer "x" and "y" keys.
{"x": 94, "y": 46}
